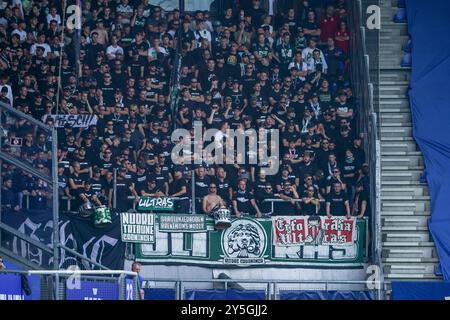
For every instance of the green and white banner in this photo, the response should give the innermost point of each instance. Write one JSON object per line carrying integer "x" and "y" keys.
{"x": 182, "y": 223}
{"x": 280, "y": 241}
{"x": 155, "y": 204}
{"x": 137, "y": 227}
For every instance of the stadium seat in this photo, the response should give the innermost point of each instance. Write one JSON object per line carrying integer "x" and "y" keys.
{"x": 406, "y": 60}
{"x": 407, "y": 48}
{"x": 400, "y": 16}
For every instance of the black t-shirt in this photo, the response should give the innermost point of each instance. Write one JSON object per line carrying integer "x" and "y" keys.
{"x": 177, "y": 185}
{"x": 243, "y": 199}
{"x": 309, "y": 209}
{"x": 337, "y": 203}
{"x": 201, "y": 186}
{"x": 123, "y": 188}
{"x": 222, "y": 189}
{"x": 97, "y": 186}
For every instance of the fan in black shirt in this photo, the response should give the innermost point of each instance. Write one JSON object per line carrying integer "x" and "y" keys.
{"x": 179, "y": 188}
{"x": 337, "y": 203}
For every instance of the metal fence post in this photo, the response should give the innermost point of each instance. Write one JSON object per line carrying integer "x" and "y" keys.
{"x": 57, "y": 286}
{"x": 115, "y": 189}
{"x": 55, "y": 200}
{"x": 122, "y": 287}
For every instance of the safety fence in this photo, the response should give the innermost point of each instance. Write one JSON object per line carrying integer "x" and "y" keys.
{"x": 244, "y": 289}
{"x": 360, "y": 73}
{"x": 71, "y": 284}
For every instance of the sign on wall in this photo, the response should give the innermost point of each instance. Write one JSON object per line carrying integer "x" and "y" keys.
{"x": 279, "y": 241}
{"x": 94, "y": 290}
{"x": 10, "y": 287}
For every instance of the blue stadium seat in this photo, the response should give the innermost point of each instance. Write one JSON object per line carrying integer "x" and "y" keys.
{"x": 406, "y": 60}
{"x": 401, "y": 4}
{"x": 400, "y": 16}
{"x": 407, "y": 48}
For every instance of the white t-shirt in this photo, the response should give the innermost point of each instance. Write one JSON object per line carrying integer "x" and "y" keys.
{"x": 56, "y": 17}
{"x": 152, "y": 52}
{"x": 202, "y": 34}
{"x": 9, "y": 95}
{"x": 22, "y": 34}
{"x": 114, "y": 50}
{"x": 300, "y": 67}
{"x": 46, "y": 47}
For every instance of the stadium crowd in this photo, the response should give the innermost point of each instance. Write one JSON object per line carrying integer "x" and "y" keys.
{"x": 242, "y": 69}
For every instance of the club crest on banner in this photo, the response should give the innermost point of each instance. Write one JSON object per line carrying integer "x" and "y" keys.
{"x": 244, "y": 242}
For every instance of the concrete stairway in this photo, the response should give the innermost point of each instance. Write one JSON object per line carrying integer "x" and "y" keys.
{"x": 408, "y": 250}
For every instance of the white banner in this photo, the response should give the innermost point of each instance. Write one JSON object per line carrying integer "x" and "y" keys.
{"x": 75, "y": 121}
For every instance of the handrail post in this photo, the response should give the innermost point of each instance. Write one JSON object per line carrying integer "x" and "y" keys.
{"x": 115, "y": 188}
{"x": 55, "y": 199}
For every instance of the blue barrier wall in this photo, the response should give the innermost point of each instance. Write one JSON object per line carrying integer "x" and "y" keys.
{"x": 429, "y": 94}
{"x": 420, "y": 290}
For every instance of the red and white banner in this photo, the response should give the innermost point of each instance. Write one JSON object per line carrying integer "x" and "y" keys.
{"x": 315, "y": 230}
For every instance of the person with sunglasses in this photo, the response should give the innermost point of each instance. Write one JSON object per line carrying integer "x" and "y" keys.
{"x": 336, "y": 178}
{"x": 311, "y": 202}
{"x": 212, "y": 200}
{"x": 265, "y": 205}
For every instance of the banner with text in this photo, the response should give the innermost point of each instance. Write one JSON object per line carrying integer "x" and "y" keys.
{"x": 155, "y": 204}
{"x": 137, "y": 227}
{"x": 182, "y": 222}
{"x": 293, "y": 231}
{"x": 279, "y": 241}
{"x": 74, "y": 120}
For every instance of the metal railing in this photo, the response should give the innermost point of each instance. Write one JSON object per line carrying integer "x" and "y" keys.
{"x": 364, "y": 92}
{"x": 56, "y": 284}
{"x": 11, "y": 117}
{"x": 272, "y": 287}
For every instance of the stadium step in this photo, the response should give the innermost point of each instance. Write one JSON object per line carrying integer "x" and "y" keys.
{"x": 404, "y": 205}
{"x": 393, "y": 75}
{"x": 393, "y": 146}
{"x": 412, "y": 192}
{"x": 408, "y": 252}
{"x": 390, "y": 131}
{"x": 395, "y": 117}
{"x": 404, "y": 221}
{"x": 411, "y": 269}
{"x": 416, "y": 253}
{"x": 402, "y": 161}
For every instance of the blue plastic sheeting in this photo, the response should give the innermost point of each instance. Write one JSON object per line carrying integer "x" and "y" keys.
{"x": 406, "y": 60}
{"x": 420, "y": 290}
{"x": 325, "y": 295}
{"x": 159, "y": 294}
{"x": 429, "y": 94}
{"x": 400, "y": 16}
{"x": 34, "y": 282}
{"x": 230, "y": 294}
